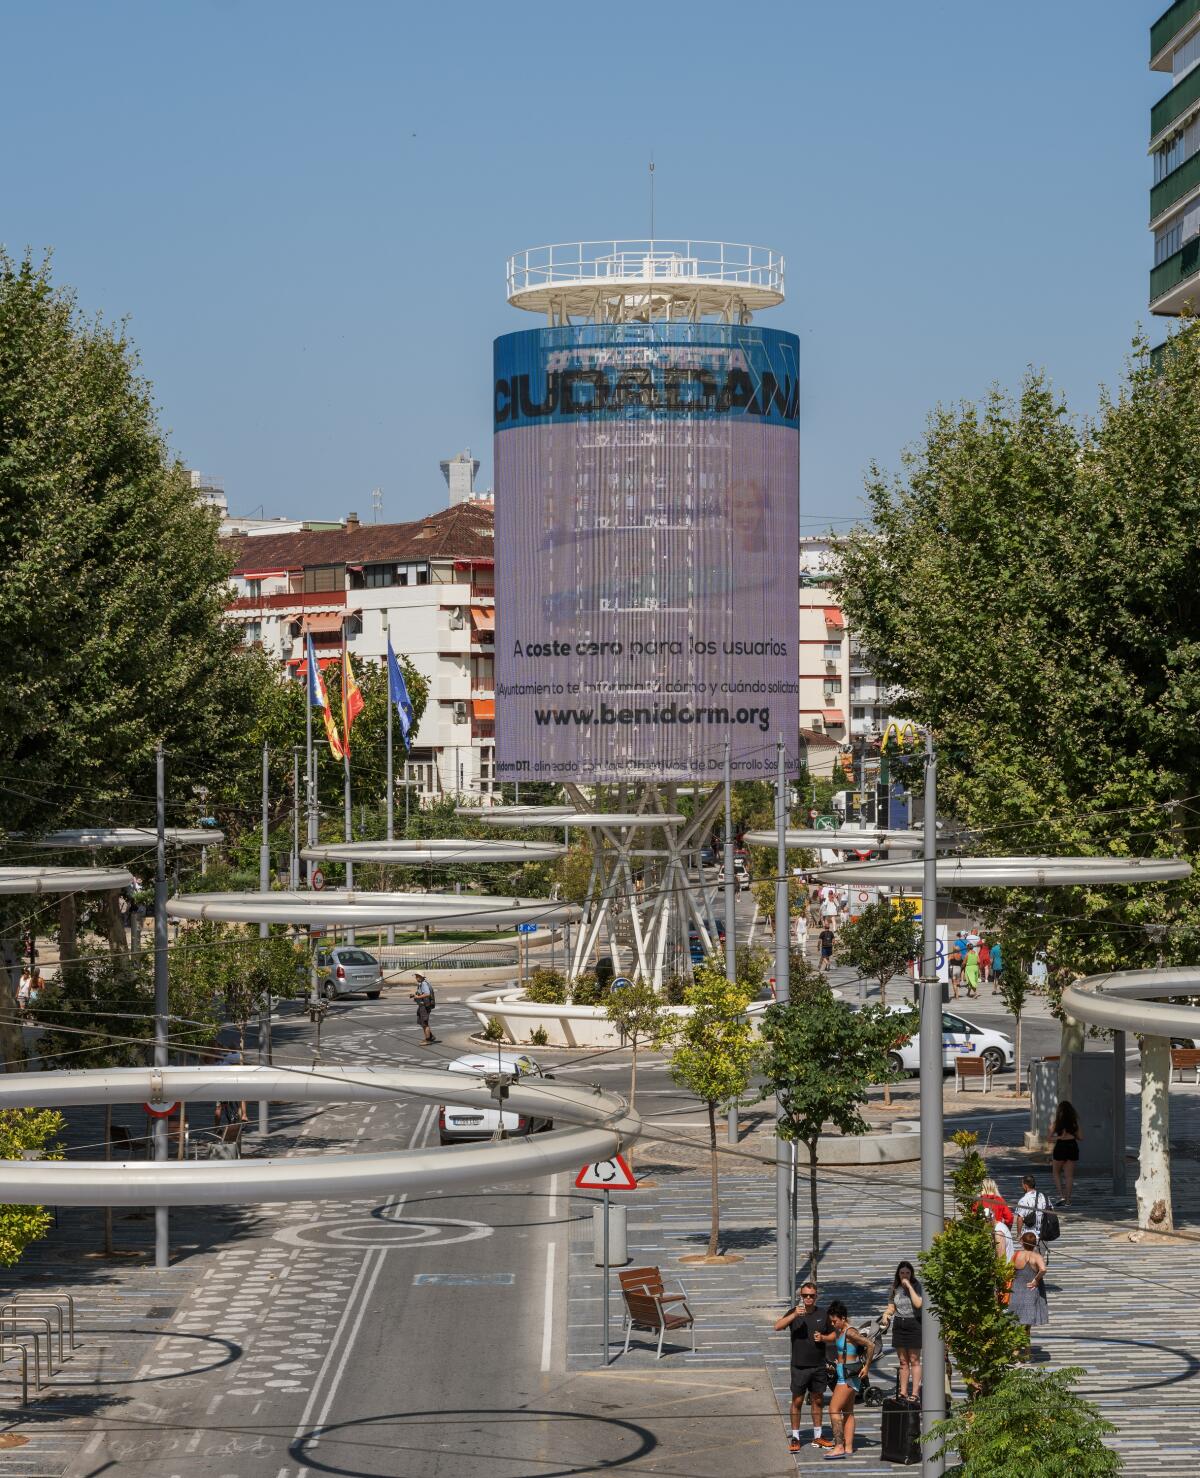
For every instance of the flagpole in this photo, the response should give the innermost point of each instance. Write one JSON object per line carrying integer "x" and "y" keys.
{"x": 310, "y": 818}
{"x": 391, "y": 797}
{"x": 346, "y": 769}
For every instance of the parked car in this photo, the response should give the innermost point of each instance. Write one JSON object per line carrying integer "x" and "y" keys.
{"x": 741, "y": 874}
{"x": 456, "y": 1122}
{"x": 346, "y": 970}
{"x": 960, "y": 1038}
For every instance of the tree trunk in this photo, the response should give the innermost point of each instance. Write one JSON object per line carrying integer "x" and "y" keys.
{"x": 1071, "y": 1039}
{"x": 68, "y": 932}
{"x": 114, "y": 925}
{"x": 1154, "y": 1158}
{"x": 714, "y": 1235}
{"x": 1017, "y": 1055}
{"x": 632, "y": 1099}
{"x": 814, "y": 1210}
{"x": 12, "y": 1042}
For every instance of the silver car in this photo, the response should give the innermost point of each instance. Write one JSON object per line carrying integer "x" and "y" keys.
{"x": 347, "y": 970}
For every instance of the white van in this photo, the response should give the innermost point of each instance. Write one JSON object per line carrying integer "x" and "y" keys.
{"x": 456, "y": 1122}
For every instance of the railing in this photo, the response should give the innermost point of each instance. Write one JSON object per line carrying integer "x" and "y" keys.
{"x": 434, "y": 956}
{"x": 570, "y": 263}
{"x": 1175, "y": 103}
{"x": 1175, "y": 186}
{"x": 1176, "y": 269}
{"x": 1170, "y": 23}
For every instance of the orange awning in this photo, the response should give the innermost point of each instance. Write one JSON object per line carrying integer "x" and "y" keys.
{"x": 484, "y": 707}
{"x": 483, "y": 618}
{"x": 833, "y": 716}
{"x": 834, "y": 617}
{"x": 325, "y": 623}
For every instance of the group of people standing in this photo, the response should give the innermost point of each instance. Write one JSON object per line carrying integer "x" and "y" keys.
{"x": 30, "y": 987}
{"x": 974, "y": 962}
{"x": 830, "y": 1354}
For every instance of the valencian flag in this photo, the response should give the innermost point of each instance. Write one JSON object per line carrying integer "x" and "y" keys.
{"x": 317, "y": 698}
{"x": 352, "y": 698}
{"x": 398, "y": 694}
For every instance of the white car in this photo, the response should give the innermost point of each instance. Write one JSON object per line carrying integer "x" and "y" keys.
{"x": 960, "y": 1038}
{"x": 456, "y": 1122}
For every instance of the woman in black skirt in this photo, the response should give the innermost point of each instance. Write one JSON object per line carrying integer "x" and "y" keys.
{"x": 904, "y": 1314}
{"x": 1066, "y": 1135}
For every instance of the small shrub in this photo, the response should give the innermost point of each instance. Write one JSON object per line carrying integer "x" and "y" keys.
{"x": 675, "y": 989}
{"x": 494, "y": 1030}
{"x": 539, "y": 1037}
{"x": 546, "y": 987}
{"x": 587, "y": 990}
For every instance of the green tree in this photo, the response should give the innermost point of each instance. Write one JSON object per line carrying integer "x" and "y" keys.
{"x": 964, "y": 1276}
{"x": 819, "y": 1060}
{"x": 1032, "y": 1424}
{"x": 878, "y": 944}
{"x": 639, "y": 1014}
{"x": 1014, "y": 988}
{"x": 24, "y": 1129}
{"x": 1028, "y": 586}
{"x": 712, "y": 1056}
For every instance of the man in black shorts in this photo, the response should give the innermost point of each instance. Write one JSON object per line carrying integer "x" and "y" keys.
{"x": 808, "y": 1363}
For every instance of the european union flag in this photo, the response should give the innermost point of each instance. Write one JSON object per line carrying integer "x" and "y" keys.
{"x": 398, "y": 694}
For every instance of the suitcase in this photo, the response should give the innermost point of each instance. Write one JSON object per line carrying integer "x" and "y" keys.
{"x": 900, "y": 1434}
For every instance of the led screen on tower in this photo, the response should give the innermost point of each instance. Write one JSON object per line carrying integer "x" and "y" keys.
{"x": 647, "y": 503}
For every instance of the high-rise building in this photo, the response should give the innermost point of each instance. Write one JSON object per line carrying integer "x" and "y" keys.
{"x": 1175, "y": 150}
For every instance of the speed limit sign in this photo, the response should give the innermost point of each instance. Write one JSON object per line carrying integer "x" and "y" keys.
{"x": 813, "y": 813}
{"x": 317, "y": 879}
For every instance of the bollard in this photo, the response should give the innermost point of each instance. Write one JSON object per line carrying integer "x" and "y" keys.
{"x": 618, "y": 1254}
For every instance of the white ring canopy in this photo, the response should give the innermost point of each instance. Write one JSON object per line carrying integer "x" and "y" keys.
{"x": 849, "y": 838}
{"x": 519, "y": 815}
{"x": 1131, "y": 1001}
{"x": 64, "y": 879}
{"x": 437, "y": 852}
{"x": 603, "y": 1126}
{"x": 1010, "y": 872}
{"x": 594, "y": 820}
{"x": 95, "y": 838}
{"x": 362, "y": 910}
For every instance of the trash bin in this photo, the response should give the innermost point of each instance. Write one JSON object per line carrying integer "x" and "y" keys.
{"x": 618, "y": 1256}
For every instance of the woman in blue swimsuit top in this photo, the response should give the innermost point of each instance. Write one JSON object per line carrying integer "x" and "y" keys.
{"x": 852, "y": 1354}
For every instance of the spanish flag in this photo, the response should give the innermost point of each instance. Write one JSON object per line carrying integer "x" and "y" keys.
{"x": 352, "y": 698}
{"x": 318, "y": 698}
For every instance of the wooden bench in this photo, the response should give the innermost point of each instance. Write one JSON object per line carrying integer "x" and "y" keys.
{"x": 1184, "y": 1059}
{"x": 648, "y": 1306}
{"x": 967, "y": 1069}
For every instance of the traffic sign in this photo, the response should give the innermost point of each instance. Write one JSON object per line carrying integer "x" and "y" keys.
{"x": 606, "y": 1175}
{"x": 526, "y": 928}
{"x": 813, "y": 813}
{"x": 161, "y": 1110}
{"x": 622, "y": 982}
{"x": 317, "y": 879}
{"x": 825, "y": 823}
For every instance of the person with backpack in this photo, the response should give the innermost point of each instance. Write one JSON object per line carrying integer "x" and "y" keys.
{"x": 850, "y": 1353}
{"x": 1034, "y": 1215}
{"x": 426, "y": 1001}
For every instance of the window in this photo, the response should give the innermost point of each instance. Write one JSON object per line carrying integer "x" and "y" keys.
{"x": 1185, "y": 57}
{"x": 832, "y": 685}
{"x": 858, "y": 713}
{"x": 354, "y": 625}
{"x": 1177, "y": 150}
{"x": 324, "y": 577}
{"x": 375, "y": 577}
{"x": 832, "y": 651}
{"x": 413, "y": 572}
{"x": 252, "y": 632}
{"x": 254, "y": 589}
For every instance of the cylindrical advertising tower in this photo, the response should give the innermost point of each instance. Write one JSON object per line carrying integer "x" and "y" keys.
{"x": 647, "y": 500}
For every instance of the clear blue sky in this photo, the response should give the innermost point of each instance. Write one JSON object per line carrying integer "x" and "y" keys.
{"x": 304, "y": 209}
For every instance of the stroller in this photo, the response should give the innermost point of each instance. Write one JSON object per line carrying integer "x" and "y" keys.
{"x": 870, "y": 1394}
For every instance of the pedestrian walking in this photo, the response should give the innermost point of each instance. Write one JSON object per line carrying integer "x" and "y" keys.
{"x": 985, "y": 962}
{"x": 803, "y": 1322}
{"x": 825, "y": 948}
{"x": 1039, "y": 972}
{"x": 1001, "y": 1234}
{"x": 903, "y": 1314}
{"x": 1028, "y": 1304}
{"x": 958, "y": 955}
{"x": 991, "y": 1200}
{"x": 1031, "y": 1208}
{"x": 1066, "y": 1135}
{"x": 850, "y": 1353}
{"x": 997, "y": 965}
{"x": 24, "y": 985}
{"x": 424, "y": 997}
{"x": 971, "y": 971}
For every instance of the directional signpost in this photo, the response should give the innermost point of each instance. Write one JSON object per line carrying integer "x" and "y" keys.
{"x": 606, "y": 1176}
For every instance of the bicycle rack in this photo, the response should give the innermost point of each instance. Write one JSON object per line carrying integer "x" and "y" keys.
{"x": 7, "y": 1347}
{"x": 53, "y": 1302}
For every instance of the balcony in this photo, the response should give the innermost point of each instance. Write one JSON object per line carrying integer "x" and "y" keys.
{"x": 1174, "y": 104}
{"x": 1180, "y": 182}
{"x": 1168, "y": 26}
{"x": 1173, "y": 283}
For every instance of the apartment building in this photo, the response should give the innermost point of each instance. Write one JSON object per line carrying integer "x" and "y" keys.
{"x": 431, "y": 581}
{"x": 843, "y": 707}
{"x": 1175, "y": 153}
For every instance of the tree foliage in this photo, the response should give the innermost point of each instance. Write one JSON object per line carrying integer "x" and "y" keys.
{"x": 878, "y": 944}
{"x": 26, "y": 1129}
{"x": 819, "y": 1060}
{"x": 1032, "y": 1424}
{"x": 964, "y": 1276}
{"x": 712, "y": 1055}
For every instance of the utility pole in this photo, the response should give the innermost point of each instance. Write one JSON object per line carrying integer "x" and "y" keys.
{"x": 730, "y": 905}
{"x": 391, "y": 797}
{"x": 264, "y": 929}
{"x": 933, "y": 1196}
{"x": 785, "y": 1270}
{"x": 162, "y": 1232}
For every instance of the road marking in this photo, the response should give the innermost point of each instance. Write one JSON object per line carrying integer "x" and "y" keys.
{"x": 548, "y": 1314}
{"x": 464, "y": 1280}
{"x": 552, "y": 1209}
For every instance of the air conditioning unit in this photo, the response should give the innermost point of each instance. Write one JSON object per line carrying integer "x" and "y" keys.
{"x": 457, "y": 619}
{"x": 460, "y": 713}
{"x": 818, "y": 725}
{"x": 830, "y": 665}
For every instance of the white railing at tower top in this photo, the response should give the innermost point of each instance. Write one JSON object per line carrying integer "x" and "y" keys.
{"x": 576, "y": 263}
